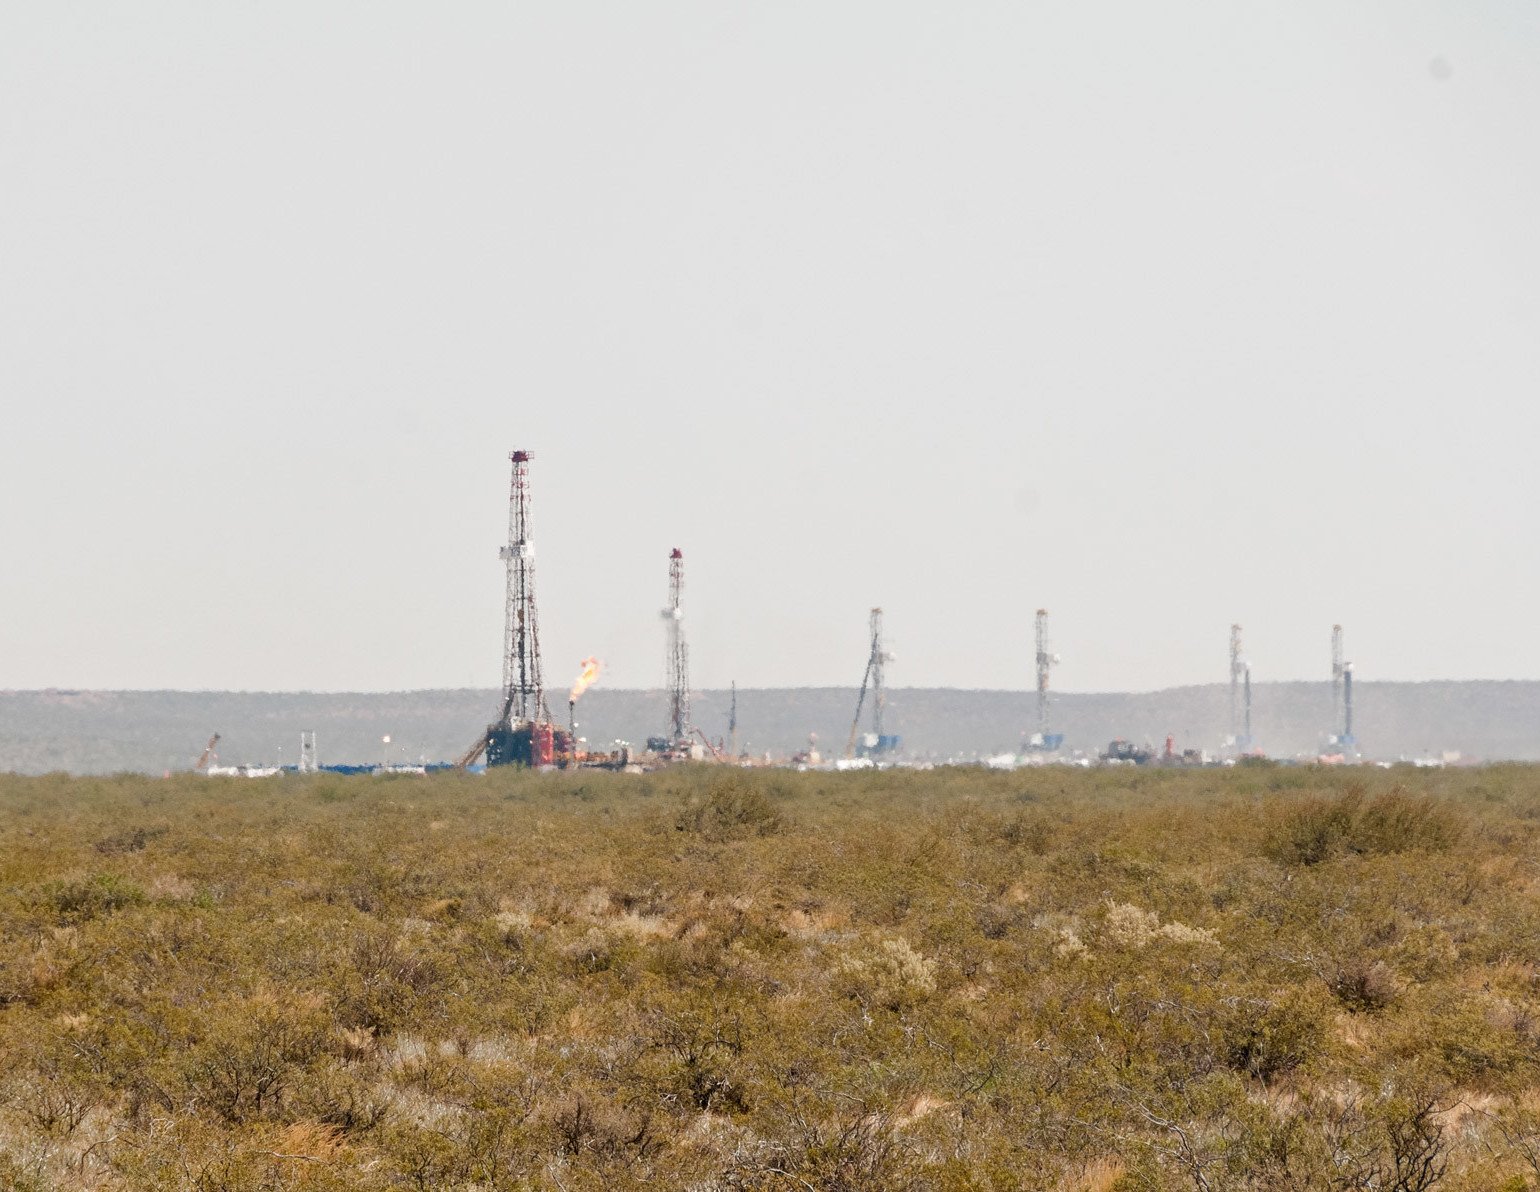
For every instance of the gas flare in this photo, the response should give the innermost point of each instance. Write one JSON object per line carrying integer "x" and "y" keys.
{"x": 584, "y": 680}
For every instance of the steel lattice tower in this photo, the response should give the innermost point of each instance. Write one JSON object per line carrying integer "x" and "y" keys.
{"x": 1246, "y": 679}
{"x": 1044, "y": 663}
{"x": 1348, "y": 740}
{"x": 879, "y": 689}
{"x": 1337, "y": 670}
{"x": 678, "y": 652}
{"x": 873, "y": 680}
{"x": 523, "y": 689}
{"x": 732, "y": 722}
{"x": 1237, "y": 668}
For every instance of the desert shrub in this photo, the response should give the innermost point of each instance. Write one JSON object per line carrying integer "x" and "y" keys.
{"x": 731, "y": 808}
{"x": 700, "y": 1057}
{"x": 79, "y": 899}
{"x": 1364, "y": 984}
{"x": 343, "y": 1099}
{"x": 128, "y": 841}
{"x": 251, "y": 1058}
{"x": 1269, "y": 1035}
{"x": 847, "y": 1148}
{"x": 1395, "y": 821}
{"x": 1310, "y": 831}
{"x": 18, "y": 1176}
{"x": 952, "y": 979}
{"x": 888, "y": 973}
{"x": 1130, "y": 926}
{"x": 1314, "y": 829}
{"x": 581, "y": 1124}
{"x": 387, "y": 981}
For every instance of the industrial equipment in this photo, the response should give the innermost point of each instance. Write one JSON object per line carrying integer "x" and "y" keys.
{"x": 1044, "y": 741}
{"x": 523, "y": 734}
{"x": 876, "y": 741}
{"x": 208, "y": 757}
{"x": 678, "y": 654}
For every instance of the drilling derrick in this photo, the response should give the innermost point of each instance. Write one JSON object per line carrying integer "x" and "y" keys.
{"x": 523, "y": 733}
{"x": 1245, "y": 741}
{"x": 523, "y": 692}
{"x": 1046, "y": 661}
{"x": 1237, "y": 668}
{"x": 1337, "y": 679}
{"x": 678, "y": 654}
{"x": 874, "y": 680}
{"x": 1347, "y": 740}
{"x": 732, "y": 723}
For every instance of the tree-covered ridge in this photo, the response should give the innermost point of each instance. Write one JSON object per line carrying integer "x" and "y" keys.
{"x": 717, "y": 979}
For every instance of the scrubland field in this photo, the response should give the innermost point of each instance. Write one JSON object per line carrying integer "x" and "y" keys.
{"x": 1254, "y": 979}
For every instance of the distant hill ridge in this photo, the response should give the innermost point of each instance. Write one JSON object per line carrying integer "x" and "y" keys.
{"x": 104, "y": 731}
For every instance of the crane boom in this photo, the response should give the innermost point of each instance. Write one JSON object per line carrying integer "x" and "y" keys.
{"x": 855, "y": 723}
{"x": 208, "y": 757}
{"x": 871, "y": 679}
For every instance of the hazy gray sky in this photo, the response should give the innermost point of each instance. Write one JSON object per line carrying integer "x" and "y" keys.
{"x": 1159, "y": 315}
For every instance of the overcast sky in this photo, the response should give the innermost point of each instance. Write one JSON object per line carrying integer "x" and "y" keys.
{"x": 1161, "y": 316}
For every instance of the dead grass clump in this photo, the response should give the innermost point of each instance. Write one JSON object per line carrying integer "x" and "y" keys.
{"x": 890, "y": 974}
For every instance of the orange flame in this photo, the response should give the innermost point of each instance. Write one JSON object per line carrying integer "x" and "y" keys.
{"x": 584, "y": 680}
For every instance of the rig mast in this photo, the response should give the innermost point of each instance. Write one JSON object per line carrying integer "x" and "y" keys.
{"x": 732, "y": 722}
{"x": 678, "y": 652}
{"x": 1245, "y": 742}
{"x": 523, "y": 689}
{"x": 1045, "y": 661}
{"x": 1347, "y": 740}
{"x": 872, "y": 680}
{"x": 1237, "y": 670}
{"x": 522, "y": 734}
{"x": 1338, "y": 671}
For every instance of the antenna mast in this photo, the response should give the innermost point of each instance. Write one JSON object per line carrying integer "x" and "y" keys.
{"x": 678, "y": 652}
{"x": 523, "y": 690}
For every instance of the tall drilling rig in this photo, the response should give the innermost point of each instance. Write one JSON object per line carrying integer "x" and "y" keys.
{"x": 1337, "y": 672}
{"x": 1341, "y": 738}
{"x": 1244, "y": 744}
{"x": 678, "y": 654}
{"x": 877, "y": 657}
{"x": 1046, "y": 661}
{"x": 523, "y": 687}
{"x": 732, "y": 723}
{"x": 1237, "y": 671}
{"x": 1347, "y": 740}
{"x": 523, "y": 733}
